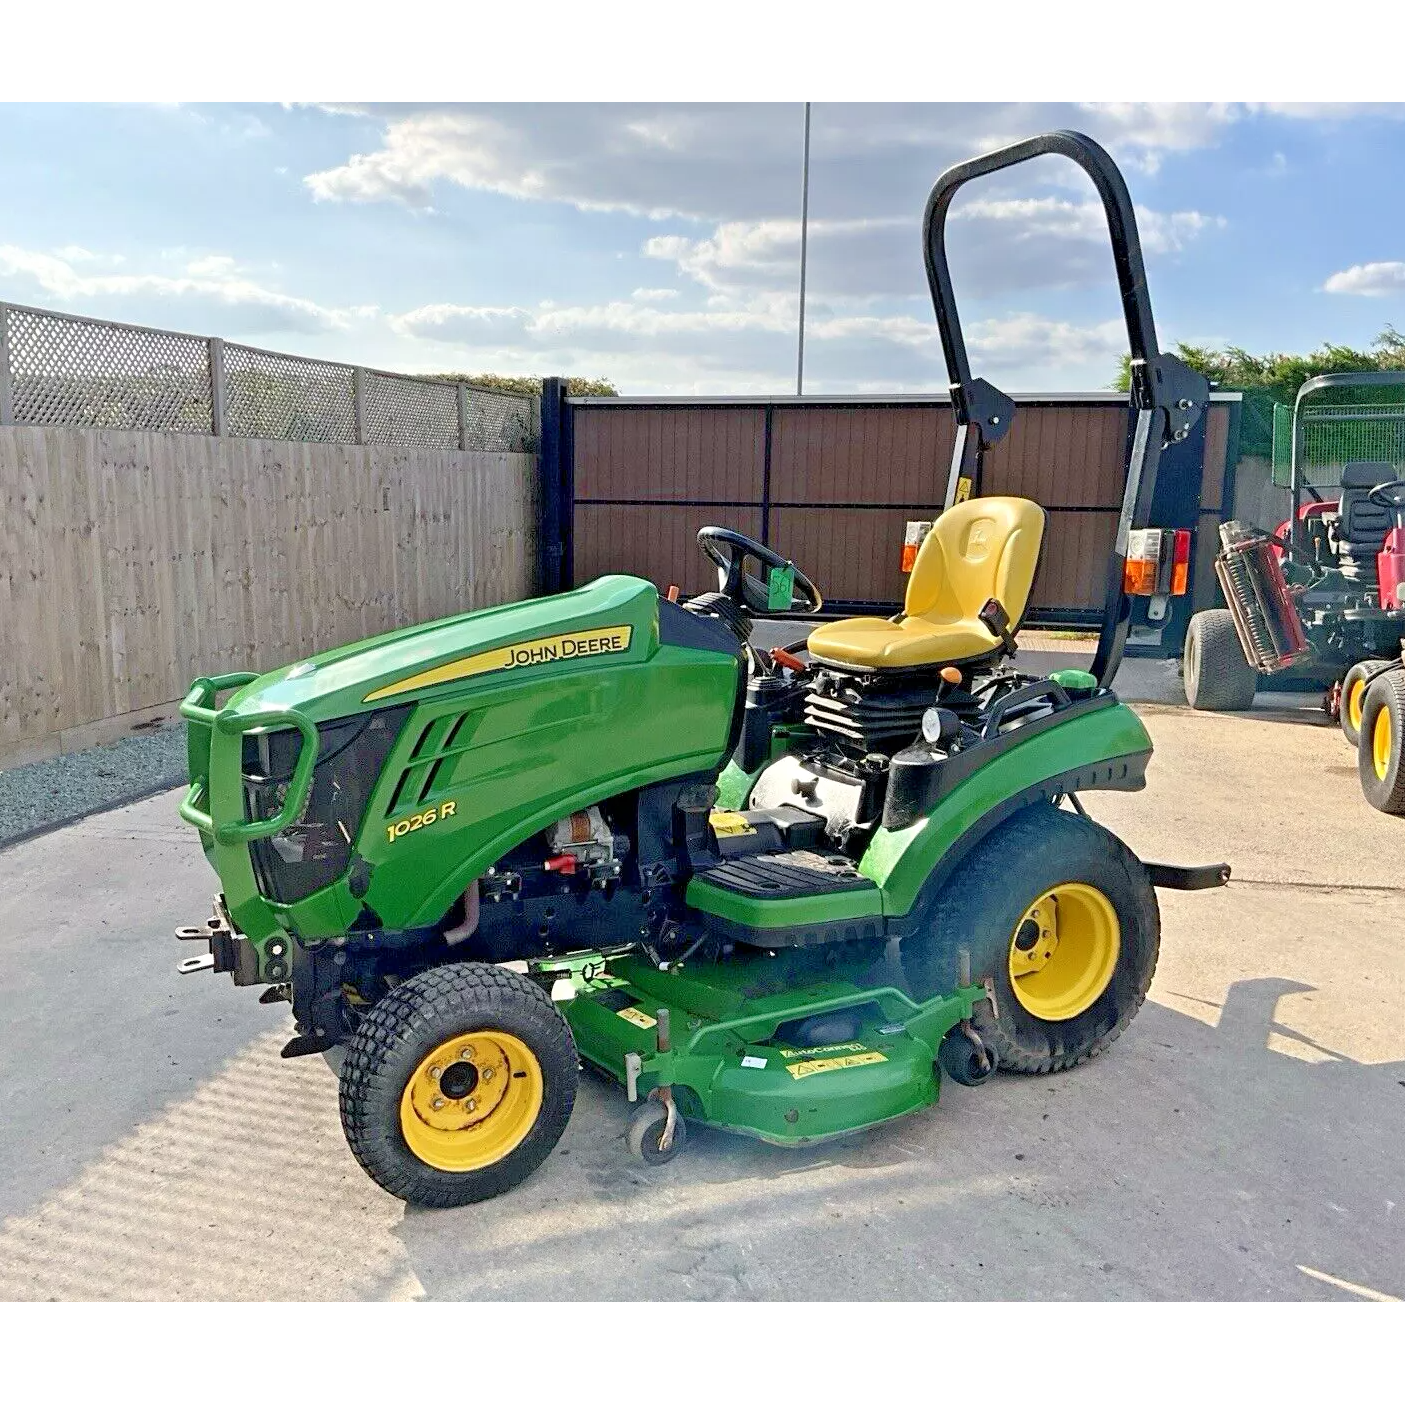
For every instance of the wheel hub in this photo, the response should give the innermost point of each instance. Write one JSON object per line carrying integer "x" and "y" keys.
{"x": 1063, "y": 951}
{"x": 471, "y": 1101}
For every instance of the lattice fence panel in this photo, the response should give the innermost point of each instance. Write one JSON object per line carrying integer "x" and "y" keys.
{"x": 69, "y": 371}
{"x": 268, "y": 396}
{"x": 419, "y": 414}
{"x": 498, "y": 422}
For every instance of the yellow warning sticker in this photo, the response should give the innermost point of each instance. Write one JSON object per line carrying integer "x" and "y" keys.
{"x": 808, "y": 1066}
{"x": 555, "y": 648}
{"x": 636, "y": 1016}
{"x": 729, "y": 822}
{"x": 963, "y": 489}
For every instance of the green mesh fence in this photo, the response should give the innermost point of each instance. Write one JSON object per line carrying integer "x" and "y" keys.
{"x": 1337, "y": 434}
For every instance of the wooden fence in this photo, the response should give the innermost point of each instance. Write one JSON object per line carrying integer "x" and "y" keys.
{"x": 132, "y": 562}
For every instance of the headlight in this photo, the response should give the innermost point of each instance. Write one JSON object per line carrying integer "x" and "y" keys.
{"x": 316, "y": 850}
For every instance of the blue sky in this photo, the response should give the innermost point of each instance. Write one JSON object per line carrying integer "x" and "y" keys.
{"x": 657, "y": 245}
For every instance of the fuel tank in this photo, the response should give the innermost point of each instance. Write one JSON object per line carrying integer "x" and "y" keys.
{"x": 442, "y": 746}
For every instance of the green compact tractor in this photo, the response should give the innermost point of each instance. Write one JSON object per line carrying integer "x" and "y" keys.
{"x": 774, "y": 894}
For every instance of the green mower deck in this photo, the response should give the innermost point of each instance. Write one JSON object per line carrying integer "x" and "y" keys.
{"x": 729, "y": 1067}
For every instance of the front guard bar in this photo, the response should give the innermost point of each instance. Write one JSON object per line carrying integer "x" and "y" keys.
{"x": 196, "y": 707}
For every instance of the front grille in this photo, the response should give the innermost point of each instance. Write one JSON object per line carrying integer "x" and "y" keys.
{"x": 315, "y": 850}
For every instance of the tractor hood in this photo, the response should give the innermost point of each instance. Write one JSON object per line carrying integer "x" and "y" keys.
{"x": 615, "y": 615}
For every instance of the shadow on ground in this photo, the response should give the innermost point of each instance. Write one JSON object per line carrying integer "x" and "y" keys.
{"x": 1192, "y": 1161}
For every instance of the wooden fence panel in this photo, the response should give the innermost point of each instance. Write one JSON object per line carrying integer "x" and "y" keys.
{"x": 131, "y": 563}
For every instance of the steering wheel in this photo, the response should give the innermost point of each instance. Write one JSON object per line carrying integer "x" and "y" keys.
{"x": 1390, "y": 496}
{"x": 729, "y": 550}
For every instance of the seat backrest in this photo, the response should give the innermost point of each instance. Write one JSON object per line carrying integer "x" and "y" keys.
{"x": 977, "y": 549}
{"x": 1361, "y": 523}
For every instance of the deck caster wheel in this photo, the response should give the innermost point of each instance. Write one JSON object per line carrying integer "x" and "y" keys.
{"x": 645, "y": 1134}
{"x": 965, "y": 1061}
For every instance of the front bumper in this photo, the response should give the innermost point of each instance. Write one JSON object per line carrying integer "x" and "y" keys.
{"x": 229, "y": 951}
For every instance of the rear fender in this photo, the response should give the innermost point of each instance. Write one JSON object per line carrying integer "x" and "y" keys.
{"x": 1103, "y": 750}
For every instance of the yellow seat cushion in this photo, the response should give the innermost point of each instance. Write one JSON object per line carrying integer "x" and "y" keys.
{"x": 979, "y": 549}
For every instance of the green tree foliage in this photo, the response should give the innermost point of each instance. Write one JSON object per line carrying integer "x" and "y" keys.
{"x": 526, "y": 385}
{"x": 1275, "y": 378}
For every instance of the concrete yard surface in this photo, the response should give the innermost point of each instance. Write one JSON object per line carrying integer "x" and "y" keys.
{"x": 1244, "y": 1139}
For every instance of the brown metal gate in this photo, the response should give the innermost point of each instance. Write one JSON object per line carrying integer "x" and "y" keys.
{"x": 831, "y": 483}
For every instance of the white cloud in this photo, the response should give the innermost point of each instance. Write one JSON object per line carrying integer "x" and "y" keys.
{"x": 214, "y": 282}
{"x": 1369, "y": 280}
{"x": 654, "y": 294}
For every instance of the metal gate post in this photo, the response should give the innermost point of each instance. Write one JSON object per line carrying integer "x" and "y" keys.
{"x": 557, "y": 490}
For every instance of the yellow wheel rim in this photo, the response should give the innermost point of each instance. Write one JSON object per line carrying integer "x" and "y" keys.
{"x": 1356, "y": 695}
{"x": 471, "y": 1101}
{"x": 1063, "y": 951}
{"x": 1380, "y": 743}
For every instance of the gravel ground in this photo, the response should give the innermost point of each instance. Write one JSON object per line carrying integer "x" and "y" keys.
{"x": 45, "y": 794}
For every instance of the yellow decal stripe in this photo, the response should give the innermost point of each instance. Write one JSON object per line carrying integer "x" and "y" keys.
{"x": 634, "y": 1015}
{"x": 554, "y": 648}
{"x": 808, "y": 1066}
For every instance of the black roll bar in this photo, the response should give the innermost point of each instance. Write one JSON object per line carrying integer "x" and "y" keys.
{"x": 1167, "y": 397}
{"x": 1332, "y": 380}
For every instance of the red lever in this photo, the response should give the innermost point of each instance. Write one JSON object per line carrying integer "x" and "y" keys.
{"x": 788, "y": 660}
{"x": 561, "y": 863}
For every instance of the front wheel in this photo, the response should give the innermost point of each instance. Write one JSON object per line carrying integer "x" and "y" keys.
{"x": 1217, "y": 676}
{"x": 1061, "y": 917}
{"x": 457, "y": 1085}
{"x": 1353, "y": 698}
{"x": 1380, "y": 750}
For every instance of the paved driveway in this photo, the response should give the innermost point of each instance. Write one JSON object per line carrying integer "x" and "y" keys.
{"x": 1244, "y": 1139}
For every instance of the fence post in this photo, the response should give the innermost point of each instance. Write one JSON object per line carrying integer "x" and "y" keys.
{"x": 358, "y": 402}
{"x": 7, "y": 385}
{"x": 462, "y": 390}
{"x": 555, "y": 515}
{"x": 219, "y": 420}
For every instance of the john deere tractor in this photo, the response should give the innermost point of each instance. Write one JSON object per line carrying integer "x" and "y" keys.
{"x": 781, "y": 893}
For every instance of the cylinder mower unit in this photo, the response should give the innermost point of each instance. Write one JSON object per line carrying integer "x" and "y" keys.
{"x": 1264, "y": 614}
{"x": 781, "y": 893}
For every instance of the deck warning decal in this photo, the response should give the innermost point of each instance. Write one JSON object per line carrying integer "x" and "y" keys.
{"x": 636, "y": 1016}
{"x": 808, "y": 1066}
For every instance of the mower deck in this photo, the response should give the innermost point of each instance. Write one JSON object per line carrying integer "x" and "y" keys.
{"x": 746, "y": 1052}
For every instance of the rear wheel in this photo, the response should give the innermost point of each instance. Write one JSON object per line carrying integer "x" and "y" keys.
{"x": 1060, "y": 916}
{"x": 1380, "y": 750}
{"x": 457, "y": 1085}
{"x": 1354, "y": 687}
{"x": 1217, "y": 676}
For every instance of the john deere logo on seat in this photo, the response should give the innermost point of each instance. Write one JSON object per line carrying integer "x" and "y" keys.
{"x": 978, "y": 540}
{"x": 555, "y": 648}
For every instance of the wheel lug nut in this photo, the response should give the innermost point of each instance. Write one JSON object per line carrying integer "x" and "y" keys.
{"x": 437, "y": 1104}
{"x": 471, "y": 1105}
{"x": 466, "y": 1052}
{"x": 487, "y": 1075}
{"x": 434, "y": 1074}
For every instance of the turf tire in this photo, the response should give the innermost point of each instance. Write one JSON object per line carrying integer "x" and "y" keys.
{"x": 400, "y": 1032}
{"x": 979, "y": 908}
{"x": 1386, "y": 694}
{"x": 1217, "y": 676}
{"x": 1365, "y": 671}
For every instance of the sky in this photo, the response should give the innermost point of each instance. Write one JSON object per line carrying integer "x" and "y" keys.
{"x": 658, "y": 245}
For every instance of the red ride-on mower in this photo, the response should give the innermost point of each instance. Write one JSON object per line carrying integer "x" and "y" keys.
{"x": 1324, "y": 595}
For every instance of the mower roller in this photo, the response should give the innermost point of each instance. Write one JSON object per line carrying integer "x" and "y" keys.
{"x": 781, "y": 893}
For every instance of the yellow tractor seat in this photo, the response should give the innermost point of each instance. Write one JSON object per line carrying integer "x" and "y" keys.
{"x": 980, "y": 549}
